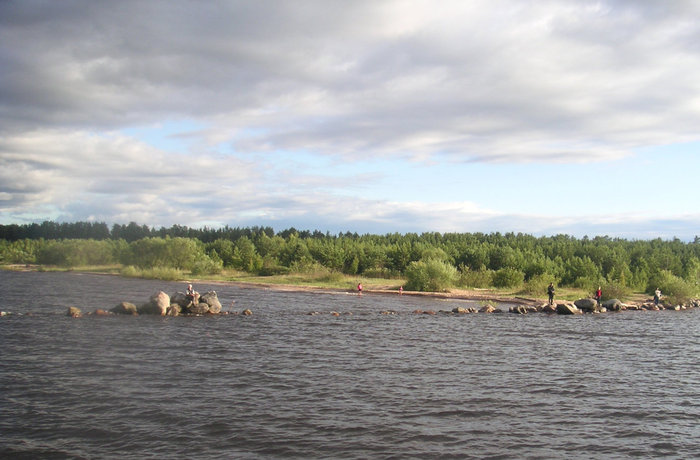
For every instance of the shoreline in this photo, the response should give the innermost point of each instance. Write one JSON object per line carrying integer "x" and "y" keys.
{"x": 466, "y": 295}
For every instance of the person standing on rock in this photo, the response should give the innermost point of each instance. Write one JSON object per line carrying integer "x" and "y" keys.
{"x": 550, "y": 293}
{"x": 598, "y": 295}
{"x": 657, "y": 296}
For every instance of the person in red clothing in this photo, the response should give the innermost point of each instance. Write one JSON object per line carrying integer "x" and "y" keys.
{"x": 359, "y": 288}
{"x": 598, "y": 295}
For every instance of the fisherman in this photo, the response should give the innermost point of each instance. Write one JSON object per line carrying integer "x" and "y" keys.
{"x": 550, "y": 292}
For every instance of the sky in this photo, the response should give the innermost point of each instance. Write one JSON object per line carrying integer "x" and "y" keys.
{"x": 541, "y": 117}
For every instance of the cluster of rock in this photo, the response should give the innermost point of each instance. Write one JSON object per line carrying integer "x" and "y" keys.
{"x": 162, "y": 304}
{"x": 581, "y": 306}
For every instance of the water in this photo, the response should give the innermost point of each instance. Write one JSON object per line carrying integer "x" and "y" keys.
{"x": 284, "y": 384}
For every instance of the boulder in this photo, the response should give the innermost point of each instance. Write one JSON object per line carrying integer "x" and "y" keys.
{"x": 612, "y": 305}
{"x": 101, "y": 312}
{"x": 74, "y": 312}
{"x": 246, "y": 312}
{"x": 125, "y": 308}
{"x": 568, "y": 309}
{"x": 587, "y": 305}
{"x": 547, "y": 308}
{"x": 180, "y": 298}
{"x": 160, "y": 301}
{"x": 210, "y": 298}
{"x": 519, "y": 309}
{"x": 487, "y": 309}
{"x": 460, "y": 310}
{"x": 174, "y": 310}
{"x": 200, "y": 309}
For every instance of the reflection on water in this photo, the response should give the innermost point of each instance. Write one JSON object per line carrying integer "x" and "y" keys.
{"x": 284, "y": 384}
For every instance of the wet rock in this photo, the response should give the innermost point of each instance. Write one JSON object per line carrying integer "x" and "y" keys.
{"x": 612, "y": 305}
{"x": 460, "y": 310}
{"x": 246, "y": 312}
{"x": 157, "y": 305}
{"x": 101, "y": 312}
{"x": 210, "y": 298}
{"x": 74, "y": 312}
{"x": 125, "y": 308}
{"x": 587, "y": 305}
{"x": 568, "y": 309}
{"x": 174, "y": 310}
{"x": 518, "y": 309}
{"x": 547, "y": 308}
{"x": 487, "y": 309}
{"x": 199, "y": 309}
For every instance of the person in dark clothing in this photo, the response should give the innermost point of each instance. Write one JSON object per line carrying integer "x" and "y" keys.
{"x": 550, "y": 293}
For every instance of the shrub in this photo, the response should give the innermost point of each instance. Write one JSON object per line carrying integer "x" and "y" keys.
{"x": 476, "y": 278}
{"x": 430, "y": 275}
{"x": 614, "y": 290}
{"x": 673, "y": 288}
{"x": 537, "y": 285}
{"x": 508, "y": 278}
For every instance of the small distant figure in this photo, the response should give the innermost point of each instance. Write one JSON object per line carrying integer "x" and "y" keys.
{"x": 400, "y": 290}
{"x": 598, "y": 295}
{"x": 550, "y": 293}
{"x": 657, "y": 296}
{"x": 359, "y": 288}
{"x": 190, "y": 294}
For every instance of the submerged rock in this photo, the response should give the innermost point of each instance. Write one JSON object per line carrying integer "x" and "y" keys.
{"x": 125, "y": 308}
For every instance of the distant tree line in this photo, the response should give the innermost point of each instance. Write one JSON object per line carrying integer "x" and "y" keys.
{"x": 427, "y": 261}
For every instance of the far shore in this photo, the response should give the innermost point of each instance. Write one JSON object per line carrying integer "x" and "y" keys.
{"x": 473, "y": 295}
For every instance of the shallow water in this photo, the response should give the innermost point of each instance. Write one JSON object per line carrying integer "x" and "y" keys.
{"x": 284, "y": 384}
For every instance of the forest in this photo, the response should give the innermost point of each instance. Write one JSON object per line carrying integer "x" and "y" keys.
{"x": 428, "y": 261}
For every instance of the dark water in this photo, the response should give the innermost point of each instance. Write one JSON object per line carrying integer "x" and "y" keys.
{"x": 283, "y": 384}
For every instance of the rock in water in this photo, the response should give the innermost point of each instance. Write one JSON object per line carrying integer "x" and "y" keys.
{"x": 125, "y": 308}
{"x": 210, "y": 298}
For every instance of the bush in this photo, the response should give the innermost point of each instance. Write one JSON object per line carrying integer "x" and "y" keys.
{"x": 207, "y": 266}
{"x": 614, "y": 290}
{"x": 508, "y": 278}
{"x": 674, "y": 289}
{"x": 476, "y": 278}
{"x": 537, "y": 285}
{"x": 430, "y": 275}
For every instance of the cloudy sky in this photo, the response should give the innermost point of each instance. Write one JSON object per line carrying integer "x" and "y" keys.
{"x": 542, "y": 117}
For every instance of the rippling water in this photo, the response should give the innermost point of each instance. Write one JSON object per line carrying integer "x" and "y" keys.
{"x": 284, "y": 384}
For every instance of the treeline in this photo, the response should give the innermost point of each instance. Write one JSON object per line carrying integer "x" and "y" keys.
{"x": 428, "y": 261}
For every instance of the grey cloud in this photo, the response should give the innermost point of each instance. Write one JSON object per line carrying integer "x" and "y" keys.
{"x": 331, "y": 76}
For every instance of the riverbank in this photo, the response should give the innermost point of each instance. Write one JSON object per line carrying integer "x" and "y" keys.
{"x": 346, "y": 284}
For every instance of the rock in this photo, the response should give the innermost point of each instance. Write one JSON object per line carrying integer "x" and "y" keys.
{"x": 612, "y": 305}
{"x": 246, "y": 312}
{"x": 519, "y": 309}
{"x": 125, "y": 308}
{"x": 200, "y": 309}
{"x": 181, "y": 299}
{"x": 74, "y": 312}
{"x": 210, "y": 298}
{"x": 101, "y": 312}
{"x": 460, "y": 310}
{"x": 487, "y": 309}
{"x": 547, "y": 308}
{"x": 587, "y": 305}
{"x": 158, "y": 304}
{"x": 568, "y": 309}
{"x": 174, "y": 310}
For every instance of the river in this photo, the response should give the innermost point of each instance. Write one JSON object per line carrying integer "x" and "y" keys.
{"x": 285, "y": 384}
